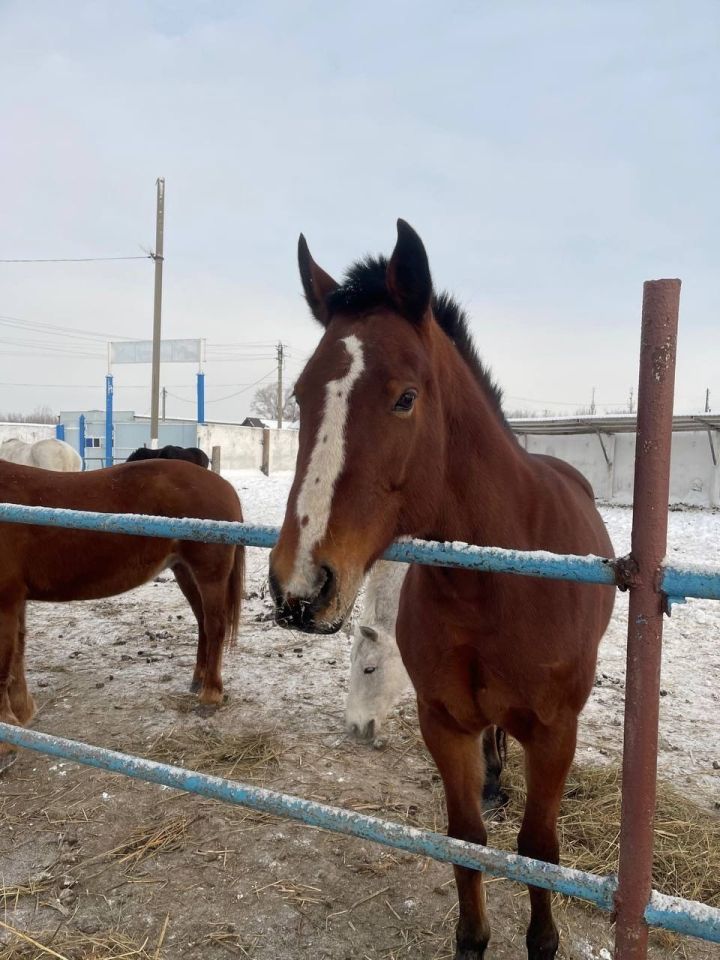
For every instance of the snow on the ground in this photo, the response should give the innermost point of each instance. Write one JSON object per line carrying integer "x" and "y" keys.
{"x": 690, "y": 704}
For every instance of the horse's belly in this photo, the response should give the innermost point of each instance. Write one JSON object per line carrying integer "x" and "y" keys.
{"x": 97, "y": 589}
{"x": 93, "y": 576}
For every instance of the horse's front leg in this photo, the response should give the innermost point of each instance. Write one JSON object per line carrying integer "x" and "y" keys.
{"x": 549, "y": 753}
{"x": 21, "y": 701}
{"x": 8, "y": 641}
{"x": 459, "y": 759}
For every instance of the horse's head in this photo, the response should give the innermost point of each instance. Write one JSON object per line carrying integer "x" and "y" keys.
{"x": 370, "y": 463}
{"x": 377, "y": 680}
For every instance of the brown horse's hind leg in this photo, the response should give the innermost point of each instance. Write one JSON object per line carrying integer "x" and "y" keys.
{"x": 548, "y": 756}
{"x": 458, "y": 757}
{"x": 214, "y": 598}
{"x": 21, "y": 702}
{"x": 186, "y": 583}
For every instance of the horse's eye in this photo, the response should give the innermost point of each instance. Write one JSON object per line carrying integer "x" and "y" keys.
{"x": 405, "y": 402}
{"x": 369, "y": 670}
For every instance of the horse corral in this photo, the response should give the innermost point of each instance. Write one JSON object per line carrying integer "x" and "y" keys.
{"x": 312, "y": 905}
{"x": 283, "y": 727}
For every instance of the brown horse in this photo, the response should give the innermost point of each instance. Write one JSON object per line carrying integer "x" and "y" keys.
{"x": 402, "y": 433}
{"x": 54, "y": 564}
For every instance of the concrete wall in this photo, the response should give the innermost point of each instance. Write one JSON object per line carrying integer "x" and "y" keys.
{"x": 241, "y": 448}
{"x": 29, "y": 432}
{"x": 694, "y": 479}
{"x": 283, "y": 449}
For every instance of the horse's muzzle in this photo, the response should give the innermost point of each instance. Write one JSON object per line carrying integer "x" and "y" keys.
{"x": 305, "y": 613}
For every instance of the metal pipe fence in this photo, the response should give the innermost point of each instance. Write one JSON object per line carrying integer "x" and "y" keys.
{"x": 678, "y": 582}
{"x": 653, "y": 587}
{"x": 669, "y": 913}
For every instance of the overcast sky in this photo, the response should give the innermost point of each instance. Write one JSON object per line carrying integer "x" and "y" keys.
{"x": 552, "y": 157}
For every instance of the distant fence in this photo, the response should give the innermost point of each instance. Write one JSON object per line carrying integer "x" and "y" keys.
{"x": 603, "y": 449}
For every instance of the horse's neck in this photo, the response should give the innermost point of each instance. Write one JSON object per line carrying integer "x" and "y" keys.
{"x": 488, "y": 475}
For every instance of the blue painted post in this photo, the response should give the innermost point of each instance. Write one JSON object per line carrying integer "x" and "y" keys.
{"x": 81, "y": 438}
{"x": 108, "y": 420}
{"x": 59, "y": 431}
{"x": 201, "y": 398}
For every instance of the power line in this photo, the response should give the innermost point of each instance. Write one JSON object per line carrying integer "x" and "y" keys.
{"x": 245, "y": 389}
{"x": 59, "y": 329}
{"x": 144, "y": 256}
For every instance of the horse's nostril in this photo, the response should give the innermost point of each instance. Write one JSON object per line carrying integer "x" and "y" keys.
{"x": 328, "y": 587}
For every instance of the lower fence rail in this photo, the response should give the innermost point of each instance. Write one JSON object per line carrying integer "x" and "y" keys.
{"x": 670, "y": 913}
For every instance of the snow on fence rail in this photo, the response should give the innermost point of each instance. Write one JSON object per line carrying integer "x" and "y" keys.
{"x": 678, "y": 582}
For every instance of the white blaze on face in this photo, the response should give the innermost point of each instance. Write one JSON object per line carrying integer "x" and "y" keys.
{"x": 314, "y": 501}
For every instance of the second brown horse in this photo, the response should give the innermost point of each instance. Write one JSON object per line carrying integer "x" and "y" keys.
{"x": 55, "y": 564}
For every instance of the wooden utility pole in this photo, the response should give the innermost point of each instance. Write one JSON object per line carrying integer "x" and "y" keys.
{"x": 280, "y": 386}
{"x": 707, "y": 400}
{"x": 157, "y": 313}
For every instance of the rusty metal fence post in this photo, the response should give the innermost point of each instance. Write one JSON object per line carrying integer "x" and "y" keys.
{"x": 649, "y": 540}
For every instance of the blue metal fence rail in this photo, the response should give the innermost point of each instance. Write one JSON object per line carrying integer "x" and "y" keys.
{"x": 690, "y": 580}
{"x": 671, "y": 913}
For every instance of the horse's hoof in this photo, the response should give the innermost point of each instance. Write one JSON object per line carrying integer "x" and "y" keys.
{"x": 205, "y": 710}
{"x": 467, "y": 951}
{"x": 211, "y": 698}
{"x": 543, "y": 946}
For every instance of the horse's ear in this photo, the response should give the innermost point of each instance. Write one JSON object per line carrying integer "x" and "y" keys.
{"x": 408, "y": 274}
{"x": 369, "y": 633}
{"x": 316, "y": 283}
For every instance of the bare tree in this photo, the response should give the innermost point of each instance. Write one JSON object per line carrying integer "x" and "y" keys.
{"x": 265, "y": 405}
{"x": 38, "y": 415}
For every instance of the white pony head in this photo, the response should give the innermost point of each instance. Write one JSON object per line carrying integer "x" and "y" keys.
{"x": 377, "y": 681}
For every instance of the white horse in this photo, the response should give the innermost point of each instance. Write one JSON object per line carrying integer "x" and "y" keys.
{"x": 50, "y": 454}
{"x": 377, "y": 675}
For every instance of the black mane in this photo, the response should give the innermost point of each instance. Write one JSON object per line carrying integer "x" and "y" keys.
{"x": 364, "y": 288}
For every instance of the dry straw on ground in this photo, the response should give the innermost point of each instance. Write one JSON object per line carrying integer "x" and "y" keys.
{"x": 145, "y": 842}
{"x": 687, "y": 837}
{"x": 71, "y": 945}
{"x": 236, "y": 756}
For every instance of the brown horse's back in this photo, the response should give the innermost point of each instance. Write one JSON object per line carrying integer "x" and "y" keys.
{"x": 57, "y": 564}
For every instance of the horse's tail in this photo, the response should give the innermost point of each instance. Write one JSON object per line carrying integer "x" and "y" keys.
{"x": 235, "y": 592}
